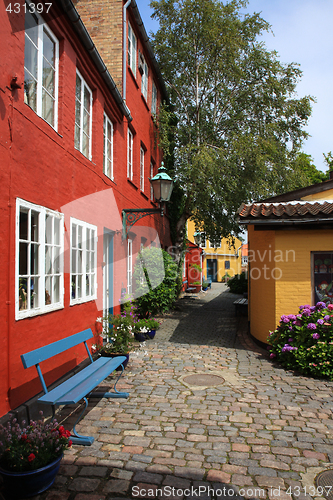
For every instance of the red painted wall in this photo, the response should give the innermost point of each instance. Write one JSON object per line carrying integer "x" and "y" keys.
{"x": 41, "y": 165}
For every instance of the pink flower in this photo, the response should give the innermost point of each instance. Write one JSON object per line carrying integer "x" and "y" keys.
{"x": 272, "y": 355}
{"x": 316, "y": 336}
{"x": 330, "y": 307}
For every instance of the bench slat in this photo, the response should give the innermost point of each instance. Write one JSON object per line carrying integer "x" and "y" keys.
{"x": 75, "y": 388}
{"x": 38, "y": 355}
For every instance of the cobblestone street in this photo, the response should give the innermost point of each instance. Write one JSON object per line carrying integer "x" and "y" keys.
{"x": 259, "y": 431}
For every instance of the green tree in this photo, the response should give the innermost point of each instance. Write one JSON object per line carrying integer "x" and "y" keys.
{"x": 307, "y": 170}
{"x": 235, "y": 117}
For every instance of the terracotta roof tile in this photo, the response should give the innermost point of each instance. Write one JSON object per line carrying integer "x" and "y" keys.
{"x": 293, "y": 209}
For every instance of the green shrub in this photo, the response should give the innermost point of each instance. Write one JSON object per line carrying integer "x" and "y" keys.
{"x": 238, "y": 284}
{"x": 155, "y": 293}
{"x": 304, "y": 342}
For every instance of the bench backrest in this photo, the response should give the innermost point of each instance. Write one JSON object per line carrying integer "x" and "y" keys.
{"x": 38, "y": 355}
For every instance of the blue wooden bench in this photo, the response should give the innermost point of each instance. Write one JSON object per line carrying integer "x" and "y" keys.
{"x": 80, "y": 385}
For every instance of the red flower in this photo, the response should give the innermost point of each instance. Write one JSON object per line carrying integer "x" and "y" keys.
{"x": 31, "y": 457}
{"x": 70, "y": 442}
{"x": 24, "y": 437}
{"x": 61, "y": 430}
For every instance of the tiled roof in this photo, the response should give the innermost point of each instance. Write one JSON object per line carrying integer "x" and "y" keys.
{"x": 292, "y": 210}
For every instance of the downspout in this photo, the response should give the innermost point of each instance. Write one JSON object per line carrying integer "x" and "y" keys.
{"x": 124, "y": 47}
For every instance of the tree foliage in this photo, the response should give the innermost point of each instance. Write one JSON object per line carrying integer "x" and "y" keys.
{"x": 234, "y": 115}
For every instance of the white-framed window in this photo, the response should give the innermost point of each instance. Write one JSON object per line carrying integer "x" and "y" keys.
{"x": 129, "y": 154}
{"x": 142, "y": 169}
{"x": 144, "y": 77}
{"x": 151, "y": 176}
{"x": 129, "y": 265}
{"x": 39, "y": 260}
{"x": 83, "y": 116}
{"x": 83, "y": 262}
{"x": 154, "y": 100}
{"x": 132, "y": 45}
{"x": 41, "y": 57}
{"x": 108, "y": 147}
{"x": 214, "y": 244}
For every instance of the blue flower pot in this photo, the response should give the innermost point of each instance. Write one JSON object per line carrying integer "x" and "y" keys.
{"x": 141, "y": 337}
{"x": 30, "y": 483}
{"x": 151, "y": 334}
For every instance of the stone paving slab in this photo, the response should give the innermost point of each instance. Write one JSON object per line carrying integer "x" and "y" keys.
{"x": 259, "y": 434}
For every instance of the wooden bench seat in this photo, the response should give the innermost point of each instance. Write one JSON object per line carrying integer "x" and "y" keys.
{"x": 79, "y": 386}
{"x": 240, "y": 306}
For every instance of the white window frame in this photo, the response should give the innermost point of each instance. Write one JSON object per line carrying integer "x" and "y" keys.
{"x": 142, "y": 169}
{"x": 132, "y": 49}
{"x": 129, "y": 266}
{"x": 84, "y": 272}
{"x": 144, "y": 77}
{"x": 41, "y": 27}
{"x": 130, "y": 142}
{"x": 79, "y": 126}
{"x": 211, "y": 245}
{"x": 55, "y": 251}
{"x": 154, "y": 100}
{"x": 108, "y": 160}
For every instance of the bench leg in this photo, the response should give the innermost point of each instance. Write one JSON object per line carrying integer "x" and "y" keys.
{"x": 115, "y": 394}
{"x": 77, "y": 438}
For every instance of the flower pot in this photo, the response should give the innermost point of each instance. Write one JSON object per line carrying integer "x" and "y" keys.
{"x": 115, "y": 355}
{"x": 151, "y": 334}
{"x": 141, "y": 337}
{"x": 29, "y": 483}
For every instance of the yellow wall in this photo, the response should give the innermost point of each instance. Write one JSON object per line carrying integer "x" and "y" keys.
{"x": 225, "y": 252}
{"x": 288, "y": 271}
{"x": 261, "y": 290}
{"x": 325, "y": 195}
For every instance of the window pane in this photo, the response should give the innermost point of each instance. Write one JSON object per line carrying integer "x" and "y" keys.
{"x": 23, "y": 224}
{"x": 86, "y": 123}
{"x": 34, "y": 285}
{"x": 79, "y": 239}
{"x": 85, "y": 145}
{"x": 23, "y": 258}
{"x": 48, "y": 77}
{"x": 77, "y": 137}
{"x": 48, "y": 260}
{"x": 78, "y": 88}
{"x": 87, "y": 99}
{"x": 74, "y": 261}
{"x": 56, "y": 231}
{"x": 79, "y": 287}
{"x": 23, "y": 287}
{"x": 56, "y": 289}
{"x": 48, "y": 290}
{"x": 79, "y": 261}
{"x": 34, "y": 259}
{"x": 109, "y": 131}
{"x": 56, "y": 262}
{"x": 87, "y": 285}
{"x": 73, "y": 287}
{"x": 34, "y": 226}
{"x": 30, "y": 57}
{"x": 48, "y": 48}
{"x": 30, "y": 91}
{"x": 48, "y": 229}
{"x": 48, "y": 108}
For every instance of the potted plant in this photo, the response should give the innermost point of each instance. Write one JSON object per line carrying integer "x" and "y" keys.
{"x": 118, "y": 331}
{"x": 196, "y": 285}
{"x": 145, "y": 328}
{"x": 30, "y": 456}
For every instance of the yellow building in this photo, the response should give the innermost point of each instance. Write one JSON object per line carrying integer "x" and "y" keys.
{"x": 290, "y": 254}
{"x": 217, "y": 260}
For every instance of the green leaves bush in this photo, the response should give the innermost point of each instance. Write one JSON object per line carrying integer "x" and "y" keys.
{"x": 238, "y": 284}
{"x": 304, "y": 342}
{"x": 155, "y": 276}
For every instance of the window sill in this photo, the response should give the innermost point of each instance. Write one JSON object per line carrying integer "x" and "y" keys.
{"x": 144, "y": 195}
{"x": 25, "y": 313}
{"x": 132, "y": 183}
{"x": 133, "y": 76}
{"x": 145, "y": 102}
{"x": 75, "y": 302}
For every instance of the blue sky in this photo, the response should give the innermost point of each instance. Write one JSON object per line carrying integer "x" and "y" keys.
{"x": 303, "y": 33}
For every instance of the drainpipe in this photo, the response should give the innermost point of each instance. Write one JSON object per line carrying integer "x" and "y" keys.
{"x": 124, "y": 47}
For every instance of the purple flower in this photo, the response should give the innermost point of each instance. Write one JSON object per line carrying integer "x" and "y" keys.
{"x": 284, "y": 318}
{"x": 290, "y": 340}
{"x": 316, "y": 336}
{"x": 327, "y": 317}
{"x": 297, "y": 323}
{"x": 320, "y": 322}
{"x": 288, "y": 347}
{"x": 312, "y": 308}
{"x": 320, "y": 305}
{"x": 306, "y": 312}
{"x": 272, "y": 355}
{"x": 311, "y": 326}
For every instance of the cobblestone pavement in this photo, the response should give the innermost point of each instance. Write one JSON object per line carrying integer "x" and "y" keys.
{"x": 261, "y": 432}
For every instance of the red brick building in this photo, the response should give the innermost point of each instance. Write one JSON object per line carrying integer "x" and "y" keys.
{"x": 73, "y": 155}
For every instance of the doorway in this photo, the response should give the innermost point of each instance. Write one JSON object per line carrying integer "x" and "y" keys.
{"x": 108, "y": 272}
